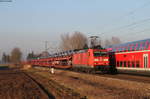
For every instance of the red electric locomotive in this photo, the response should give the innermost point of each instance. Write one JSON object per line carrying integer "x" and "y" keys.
{"x": 96, "y": 59}
{"x": 133, "y": 56}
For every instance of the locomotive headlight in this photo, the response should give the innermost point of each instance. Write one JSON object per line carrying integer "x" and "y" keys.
{"x": 96, "y": 59}
{"x": 105, "y": 59}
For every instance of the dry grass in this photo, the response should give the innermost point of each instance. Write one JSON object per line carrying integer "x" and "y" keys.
{"x": 59, "y": 91}
{"x": 97, "y": 87}
{"x": 15, "y": 85}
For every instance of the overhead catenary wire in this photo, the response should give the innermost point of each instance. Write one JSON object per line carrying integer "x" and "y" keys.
{"x": 137, "y": 32}
{"x": 132, "y": 24}
{"x": 135, "y": 35}
{"x": 137, "y": 9}
{"x": 129, "y": 25}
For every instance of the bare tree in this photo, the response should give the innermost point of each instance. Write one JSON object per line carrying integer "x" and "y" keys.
{"x": 115, "y": 40}
{"x": 112, "y": 41}
{"x": 65, "y": 42}
{"x": 5, "y": 58}
{"x": 75, "y": 41}
{"x": 16, "y": 55}
{"x": 78, "y": 40}
{"x": 107, "y": 42}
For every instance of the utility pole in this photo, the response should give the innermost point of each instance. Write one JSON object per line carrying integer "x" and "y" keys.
{"x": 45, "y": 52}
{"x": 46, "y": 49}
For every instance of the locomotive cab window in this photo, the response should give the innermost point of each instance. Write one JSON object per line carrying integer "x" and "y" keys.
{"x": 97, "y": 54}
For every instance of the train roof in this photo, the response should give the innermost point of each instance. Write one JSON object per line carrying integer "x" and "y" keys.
{"x": 136, "y": 45}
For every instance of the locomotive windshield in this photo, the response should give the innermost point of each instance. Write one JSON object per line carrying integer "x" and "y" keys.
{"x": 96, "y": 54}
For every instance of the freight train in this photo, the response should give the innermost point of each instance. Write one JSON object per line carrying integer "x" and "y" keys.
{"x": 88, "y": 60}
{"x": 132, "y": 56}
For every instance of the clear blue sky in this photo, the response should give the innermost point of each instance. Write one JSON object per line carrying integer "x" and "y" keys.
{"x": 28, "y": 23}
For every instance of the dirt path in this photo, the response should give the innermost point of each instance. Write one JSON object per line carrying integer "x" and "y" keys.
{"x": 97, "y": 87}
{"x": 16, "y": 85}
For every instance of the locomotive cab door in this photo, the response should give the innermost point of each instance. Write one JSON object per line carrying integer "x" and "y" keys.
{"x": 145, "y": 60}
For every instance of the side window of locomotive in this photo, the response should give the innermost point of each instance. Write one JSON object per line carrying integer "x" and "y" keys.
{"x": 137, "y": 64}
{"x": 128, "y": 63}
{"x": 133, "y": 64}
{"x": 125, "y": 64}
{"x": 120, "y": 63}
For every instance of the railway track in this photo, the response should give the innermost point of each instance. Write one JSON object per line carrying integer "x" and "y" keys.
{"x": 130, "y": 77}
{"x": 122, "y": 76}
{"x": 50, "y": 96}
